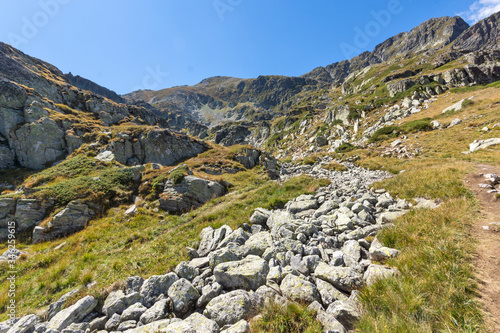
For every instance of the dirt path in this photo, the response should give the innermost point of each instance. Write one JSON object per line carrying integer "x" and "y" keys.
{"x": 487, "y": 258}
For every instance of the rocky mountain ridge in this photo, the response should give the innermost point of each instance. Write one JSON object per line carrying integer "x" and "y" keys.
{"x": 218, "y": 108}
{"x": 85, "y": 84}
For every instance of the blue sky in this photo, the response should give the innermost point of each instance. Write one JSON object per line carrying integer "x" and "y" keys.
{"x": 154, "y": 44}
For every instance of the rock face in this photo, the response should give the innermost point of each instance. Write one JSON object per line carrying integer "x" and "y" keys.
{"x": 400, "y": 86}
{"x": 39, "y": 143}
{"x": 430, "y": 35}
{"x": 25, "y": 213}
{"x": 85, "y": 84}
{"x": 43, "y": 118}
{"x": 155, "y": 146}
{"x": 250, "y": 158}
{"x": 70, "y": 220}
{"x": 191, "y": 192}
{"x": 483, "y": 35}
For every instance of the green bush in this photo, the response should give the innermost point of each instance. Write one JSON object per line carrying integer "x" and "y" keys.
{"x": 102, "y": 188}
{"x": 345, "y": 148}
{"x": 177, "y": 175}
{"x": 418, "y": 125}
{"x": 385, "y": 132}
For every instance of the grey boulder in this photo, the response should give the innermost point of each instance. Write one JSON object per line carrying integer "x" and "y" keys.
{"x": 248, "y": 274}
{"x": 228, "y": 309}
{"x": 73, "y": 314}
{"x": 299, "y": 290}
{"x": 343, "y": 278}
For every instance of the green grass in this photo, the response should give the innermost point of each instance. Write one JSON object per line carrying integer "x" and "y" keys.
{"x": 437, "y": 290}
{"x": 289, "y": 318}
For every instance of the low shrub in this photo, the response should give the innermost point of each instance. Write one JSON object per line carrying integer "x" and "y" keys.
{"x": 345, "y": 148}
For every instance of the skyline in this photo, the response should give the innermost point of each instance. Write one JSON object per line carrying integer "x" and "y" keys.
{"x": 126, "y": 47}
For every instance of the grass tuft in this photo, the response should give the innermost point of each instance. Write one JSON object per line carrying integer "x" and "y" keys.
{"x": 289, "y": 318}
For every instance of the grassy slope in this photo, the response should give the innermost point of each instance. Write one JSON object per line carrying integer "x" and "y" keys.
{"x": 437, "y": 290}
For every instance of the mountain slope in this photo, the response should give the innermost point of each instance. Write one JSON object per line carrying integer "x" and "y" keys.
{"x": 484, "y": 35}
{"x": 85, "y": 84}
{"x": 43, "y": 118}
{"x": 431, "y": 35}
{"x": 221, "y": 99}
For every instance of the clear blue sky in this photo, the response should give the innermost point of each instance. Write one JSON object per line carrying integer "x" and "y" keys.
{"x": 117, "y": 43}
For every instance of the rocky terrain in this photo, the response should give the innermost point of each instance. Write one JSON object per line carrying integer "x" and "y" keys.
{"x": 80, "y": 164}
{"x": 314, "y": 251}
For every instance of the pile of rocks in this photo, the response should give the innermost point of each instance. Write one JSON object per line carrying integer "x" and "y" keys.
{"x": 315, "y": 250}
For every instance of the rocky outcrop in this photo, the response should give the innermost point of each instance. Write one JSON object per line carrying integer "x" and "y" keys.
{"x": 191, "y": 192}
{"x": 341, "y": 113}
{"x": 85, "y": 84}
{"x": 154, "y": 146}
{"x": 250, "y": 158}
{"x": 23, "y": 213}
{"x": 484, "y": 35}
{"x": 482, "y": 144}
{"x": 43, "y": 118}
{"x": 400, "y": 86}
{"x": 71, "y": 219}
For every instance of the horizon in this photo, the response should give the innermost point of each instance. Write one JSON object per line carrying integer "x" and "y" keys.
{"x": 161, "y": 49}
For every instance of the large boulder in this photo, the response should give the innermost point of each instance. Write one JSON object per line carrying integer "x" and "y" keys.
{"x": 74, "y": 314}
{"x": 299, "y": 290}
{"x": 157, "y": 312}
{"x": 25, "y": 325}
{"x": 248, "y": 274}
{"x": 183, "y": 296}
{"x": 191, "y": 192}
{"x": 155, "y": 286}
{"x": 211, "y": 238}
{"x": 482, "y": 144}
{"x": 226, "y": 254}
{"x": 72, "y": 219}
{"x": 345, "y": 312}
{"x": 329, "y": 293}
{"x": 133, "y": 312}
{"x": 117, "y": 302}
{"x": 202, "y": 324}
{"x": 156, "y": 326}
{"x": 229, "y": 308}
{"x": 257, "y": 244}
{"x": 343, "y": 278}
{"x": 39, "y": 143}
{"x": 156, "y": 146}
{"x": 55, "y": 307}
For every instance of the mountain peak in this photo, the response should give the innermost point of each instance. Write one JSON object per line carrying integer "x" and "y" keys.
{"x": 485, "y": 34}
